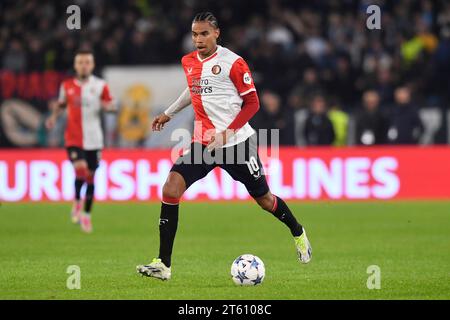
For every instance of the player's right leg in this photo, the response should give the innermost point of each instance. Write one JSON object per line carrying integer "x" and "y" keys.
{"x": 173, "y": 189}
{"x": 85, "y": 217}
{"x": 182, "y": 175}
{"x": 93, "y": 161}
{"x": 80, "y": 166}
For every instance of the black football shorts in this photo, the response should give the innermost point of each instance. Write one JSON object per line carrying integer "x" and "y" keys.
{"x": 241, "y": 161}
{"x": 92, "y": 157}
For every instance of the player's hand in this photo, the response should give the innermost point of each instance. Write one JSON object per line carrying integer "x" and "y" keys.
{"x": 159, "y": 121}
{"x": 110, "y": 107}
{"x": 219, "y": 139}
{"x": 50, "y": 122}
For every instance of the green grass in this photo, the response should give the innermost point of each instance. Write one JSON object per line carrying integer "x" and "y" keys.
{"x": 409, "y": 241}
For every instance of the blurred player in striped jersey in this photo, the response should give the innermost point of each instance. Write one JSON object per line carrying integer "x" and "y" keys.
{"x": 224, "y": 98}
{"x": 84, "y": 97}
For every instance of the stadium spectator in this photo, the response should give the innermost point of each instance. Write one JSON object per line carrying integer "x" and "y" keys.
{"x": 371, "y": 123}
{"x": 294, "y": 106}
{"x": 309, "y": 85}
{"x": 339, "y": 120}
{"x": 318, "y": 129}
{"x": 53, "y": 138}
{"x": 270, "y": 117}
{"x": 295, "y": 102}
{"x": 14, "y": 58}
{"x": 439, "y": 83}
{"x": 340, "y": 82}
{"x": 36, "y": 56}
{"x": 405, "y": 125}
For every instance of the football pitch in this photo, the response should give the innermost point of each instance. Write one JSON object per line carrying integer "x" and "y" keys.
{"x": 408, "y": 241}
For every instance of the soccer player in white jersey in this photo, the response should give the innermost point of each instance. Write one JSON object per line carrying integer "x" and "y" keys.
{"x": 84, "y": 96}
{"x": 223, "y": 95}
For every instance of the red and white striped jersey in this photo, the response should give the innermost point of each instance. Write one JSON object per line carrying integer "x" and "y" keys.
{"x": 216, "y": 85}
{"x": 84, "y": 101}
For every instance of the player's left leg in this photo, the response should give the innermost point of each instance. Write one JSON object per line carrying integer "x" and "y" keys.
{"x": 248, "y": 169}
{"x": 281, "y": 211}
{"x": 93, "y": 160}
{"x": 77, "y": 157}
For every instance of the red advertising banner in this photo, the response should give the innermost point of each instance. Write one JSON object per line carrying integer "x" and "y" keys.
{"x": 295, "y": 173}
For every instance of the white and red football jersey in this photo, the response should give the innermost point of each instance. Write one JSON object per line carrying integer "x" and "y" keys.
{"x": 217, "y": 85}
{"x": 84, "y": 102}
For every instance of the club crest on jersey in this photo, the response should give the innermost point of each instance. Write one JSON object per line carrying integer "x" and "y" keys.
{"x": 247, "y": 79}
{"x": 216, "y": 69}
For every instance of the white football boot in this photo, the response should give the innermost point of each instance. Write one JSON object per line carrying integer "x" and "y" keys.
{"x": 75, "y": 214}
{"x": 304, "y": 249}
{"x": 156, "y": 269}
{"x": 86, "y": 222}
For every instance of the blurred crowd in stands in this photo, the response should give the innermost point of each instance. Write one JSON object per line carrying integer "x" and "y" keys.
{"x": 323, "y": 77}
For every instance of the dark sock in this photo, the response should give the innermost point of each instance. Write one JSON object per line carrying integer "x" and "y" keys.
{"x": 89, "y": 198}
{"x": 282, "y": 212}
{"x": 168, "y": 223}
{"x": 78, "y": 184}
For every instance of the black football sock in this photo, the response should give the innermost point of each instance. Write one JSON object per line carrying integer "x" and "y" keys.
{"x": 89, "y": 198}
{"x": 168, "y": 224}
{"x": 282, "y": 212}
{"x": 78, "y": 184}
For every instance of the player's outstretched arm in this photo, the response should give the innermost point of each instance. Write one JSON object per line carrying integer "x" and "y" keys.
{"x": 57, "y": 107}
{"x": 57, "y": 111}
{"x": 182, "y": 102}
{"x": 110, "y": 106}
{"x": 107, "y": 102}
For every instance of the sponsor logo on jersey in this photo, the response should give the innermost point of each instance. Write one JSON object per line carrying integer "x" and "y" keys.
{"x": 201, "y": 90}
{"x": 216, "y": 69}
{"x": 189, "y": 70}
{"x": 201, "y": 86}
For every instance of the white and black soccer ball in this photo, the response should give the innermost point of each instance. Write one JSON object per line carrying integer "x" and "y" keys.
{"x": 248, "y": 270}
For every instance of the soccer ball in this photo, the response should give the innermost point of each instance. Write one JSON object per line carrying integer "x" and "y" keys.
{"x": 248, "y": 270}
